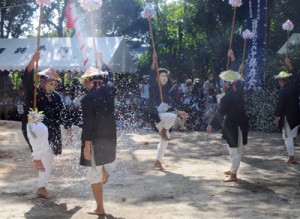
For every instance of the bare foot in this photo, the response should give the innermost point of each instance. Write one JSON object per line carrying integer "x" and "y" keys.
{"x": 227, "y": 173}
{"x": 97, "y": 212}
{"x": 163, "y": 135}
{"x": 42, "y": 193}
{"x": 291, "y": 160}
{"x": 231, "y": 178}
{"x": 158, "y": 165}
{"x": 70, "y": 135}
{"x": 105, "y": 177}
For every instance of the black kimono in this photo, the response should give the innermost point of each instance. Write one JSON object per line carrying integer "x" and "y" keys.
{"x": 154, "y": 97}
{"x": 232, "y": 112}
{"x": 288, "y": 105}
{"x": 99, "y": 125}
{"x": 52, "y": 107}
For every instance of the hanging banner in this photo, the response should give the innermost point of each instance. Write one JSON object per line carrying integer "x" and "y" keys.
{"x": 256, "y": 22}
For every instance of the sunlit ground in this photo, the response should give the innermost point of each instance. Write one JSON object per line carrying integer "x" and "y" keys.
{"x": 191, "y": 186}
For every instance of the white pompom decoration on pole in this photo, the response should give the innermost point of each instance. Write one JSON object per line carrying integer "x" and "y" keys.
{"x": 288, "y": 26}
{"x": 44, "y": 2}
{"x": 148, "y": 12}
{"x": 247, "y": 34}
{"x": 91, "y": 5}
{"x": 235, "y": 3}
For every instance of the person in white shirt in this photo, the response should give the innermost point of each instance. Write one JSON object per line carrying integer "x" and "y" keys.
{"x": 67, "y": 114}
{"x": 144, "y": 101}
{"x": 42, "y": 153}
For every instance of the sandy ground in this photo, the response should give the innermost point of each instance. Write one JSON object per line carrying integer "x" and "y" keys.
{"x": 191, "y": 186}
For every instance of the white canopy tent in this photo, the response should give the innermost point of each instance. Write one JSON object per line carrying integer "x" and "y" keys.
{"x": 63, "y": 54}
{"x": 293, "y": 40}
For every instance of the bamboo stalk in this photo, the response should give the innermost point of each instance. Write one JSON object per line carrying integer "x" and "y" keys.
{"x": 231, "y": 35}
{"x": 37, "y": 62}
{"x": 287, "y": 45}
{"x": 156, "y": 66}
{"x": 244, "y": 54}
{"x": 94, "y": 38}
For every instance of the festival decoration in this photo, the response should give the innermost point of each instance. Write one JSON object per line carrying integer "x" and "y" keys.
{"x": 288, "y": 26}
{"x": 149, "y": 13}
{"x": 247, "y": 34}
{"x": 35, "y": 119}
{"x": 34, "y": 116}
{"x": 230, "y": 76}
{"x": 73, "y": 22}
{"x": 234, "y": 4}
{"x": 42, "y": 3}
{"x": 91, "y": 6}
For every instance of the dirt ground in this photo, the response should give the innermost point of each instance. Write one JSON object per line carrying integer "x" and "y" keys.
{"x": 191, "y": 187}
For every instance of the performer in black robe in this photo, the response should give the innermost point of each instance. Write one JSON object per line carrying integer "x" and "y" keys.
{"x": 48, "y": 101}
{"x": 163, "y": 115}
{"x": 232, "y": 116}
{"x": 287, "y": 113}
{"x": 98, "y": 131}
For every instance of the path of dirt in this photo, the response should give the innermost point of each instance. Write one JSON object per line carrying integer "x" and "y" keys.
{"x": 191, "y": 187}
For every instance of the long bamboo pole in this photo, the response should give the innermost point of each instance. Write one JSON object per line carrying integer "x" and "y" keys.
{"x": 94, "y": 37}
{"x": 231, "y": 35}
{"x": 156, "y": 66}
{"x": 37, "y": 62}
{"x": 287, "y": 45}
{"x": 244, "y": 55}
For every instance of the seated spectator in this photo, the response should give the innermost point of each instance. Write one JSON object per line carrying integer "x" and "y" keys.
{"x": 20, "y": 101}
{"x": 67, "y": 116}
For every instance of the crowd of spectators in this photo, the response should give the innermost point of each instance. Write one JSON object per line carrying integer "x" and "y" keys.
{"x": 195, "y": 96}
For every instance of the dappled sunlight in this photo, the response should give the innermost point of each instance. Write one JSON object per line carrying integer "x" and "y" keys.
{"x": 191, "y": 184}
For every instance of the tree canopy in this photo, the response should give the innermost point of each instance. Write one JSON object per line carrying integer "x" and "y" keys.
{"x": 192, "y": 36}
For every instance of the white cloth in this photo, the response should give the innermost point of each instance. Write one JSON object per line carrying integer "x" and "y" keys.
{"x": 145, "y": 93}
{"x": 38, "y": 138}
{"x": 295, "y": 132}
{"x": 167, "y": 121}
{"x": 161, "y": 149}
{"x": 94, "y": 174}
{"x": 235, "y": 154}
{"x": 288, "y": 136}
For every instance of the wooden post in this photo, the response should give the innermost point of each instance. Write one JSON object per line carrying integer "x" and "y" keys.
{"x": 156, "y": 67}
{"x": 37, "y": 62}
{"x": 94, "y": 38}
{"x": 231, "y": 36}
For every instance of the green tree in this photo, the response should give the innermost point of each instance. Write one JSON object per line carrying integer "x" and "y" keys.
{"x": 54, "y": 17}
{"x": 14, "y": 21}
